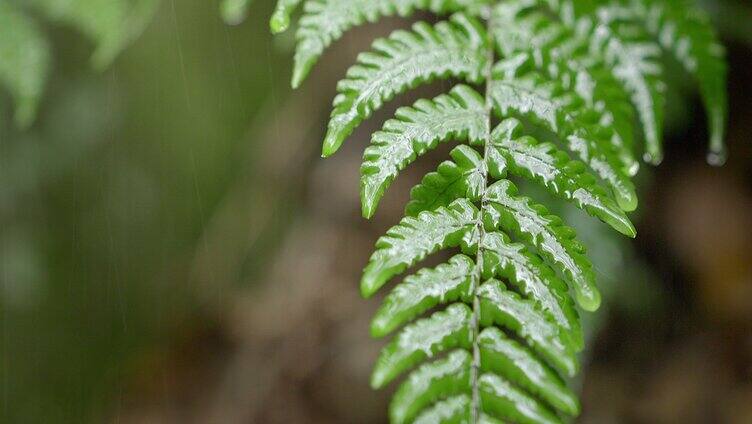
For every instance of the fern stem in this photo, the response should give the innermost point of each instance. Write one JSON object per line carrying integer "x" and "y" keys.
{"x": 475, "y": 324}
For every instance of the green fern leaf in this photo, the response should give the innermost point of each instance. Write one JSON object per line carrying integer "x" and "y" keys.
{"x": 576, "y": 77}
{"x": 628, "y": 48}
{"x": 686, "y": 33}
{"x": 402, "y": 61}
{"x": 562, "y": 112}
{"x": 419, "y": 293}
{"x": 325, "y": 21}
{"x": 552, "y": 168}
{"x": 459, "y": 116}
{"x": 563, "y": 55}
{"x": 555, "y": 241}
{"x": 499, "y": 306}
{"x": 462, "y": 178}
{"x": 421, "y": 340}
{"x": 415, "y": 238}
{"x": 505, "y": 401}
{"x": 534, "y": 279}
{"x": 689, "y": 35}
{"x": 456, "y": 409}
{"x": 635, "y": 59}
{"x": 25, "y": 61}
{"x": 430, "y": 383}
{"x": 498, "y": 397}
{"x": 414, "y": 131}
{"x": 520, "y": 156}
{"x": 506, "y": 357}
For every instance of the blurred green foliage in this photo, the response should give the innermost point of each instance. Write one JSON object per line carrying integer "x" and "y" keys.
{"x": 103, "y": 199}
{"x": 110, "y": 24}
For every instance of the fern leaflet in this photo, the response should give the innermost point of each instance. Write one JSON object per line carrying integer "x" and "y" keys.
{"x": 685, "y": 32}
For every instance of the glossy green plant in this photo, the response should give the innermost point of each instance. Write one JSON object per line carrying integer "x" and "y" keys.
{"x": 581, "y": 74}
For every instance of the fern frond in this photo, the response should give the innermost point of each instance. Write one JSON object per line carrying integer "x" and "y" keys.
{"x": 633, "y": 33}
{"x": 504, "y": 328}
{"x": 546, "y": 103}
{"x": 452, "y": 409}
{"x": 686, "y": 33}
{"x": 415, "y": 238}
{"x": 424, "y": 339}
{"x": 505, "y": 400}
{"x": 456, "y": 409}
{"x": 325, "y": 21}
{"x": 636, "y": 61}
{"x": 504, "y": 356}
{"x": 505, "y": 308}
{"x": 431, "y": 382}
{"x": 552, "y": 168}
{"x": 448, "y": 379}
{"x": 414, "y": 131}
{"x": 450, "y": 329}
{"x": 464, "y": 177}
{"x": 533, "y": 278}
{"x": 402, "y": 61}
{"x": 459, "y": 116}
{"x": 564, "y": 55}
{"x": 449, "y": 282}
{"x": 548, "y": 234}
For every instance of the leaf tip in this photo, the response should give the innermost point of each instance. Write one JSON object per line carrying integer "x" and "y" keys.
{"x": 619, "y": 221}
{"x": 571, "y": 405}
{"x": 279, "y": 22}
{"x": 299, "y": 74}
{"x": 379, "y": 327}
{"x": 369, "y": 198}
{"x": 378, "y": 379}
{"x": 332, "y": 143}
{"x": 367, "y": 209}
{"x": 589, "y": 300}
{"x": 628, "y": 229}
{"x": 368, "y": 285}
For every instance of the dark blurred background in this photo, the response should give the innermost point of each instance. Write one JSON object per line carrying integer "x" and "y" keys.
{"x": 172, "y": 249}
